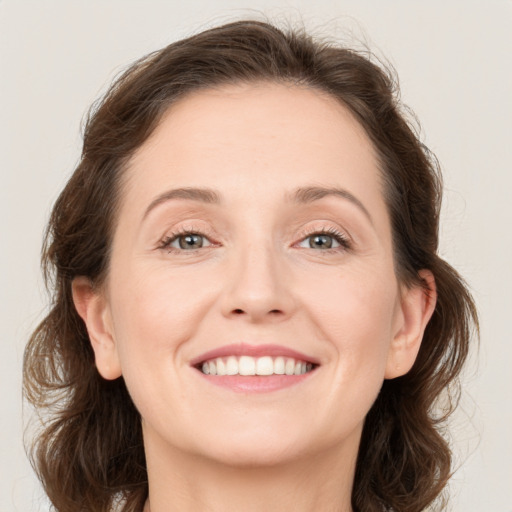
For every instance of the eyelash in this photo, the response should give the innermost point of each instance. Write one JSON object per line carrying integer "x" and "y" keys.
{"x": 166, "y": 242}
{"x": 340, "y": 238}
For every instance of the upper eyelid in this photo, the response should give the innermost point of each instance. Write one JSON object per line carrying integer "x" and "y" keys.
{"x": 194, "y": 227}
{"x": 329, "y": 229}
{"x": 324, "y": 229}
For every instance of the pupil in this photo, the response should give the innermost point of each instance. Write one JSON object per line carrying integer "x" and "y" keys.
{"x": 322, "y": 241}
{"x": 191, "y": 242}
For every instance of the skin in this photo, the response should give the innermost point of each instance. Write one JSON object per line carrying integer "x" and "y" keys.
{"x": 256, "y": 280}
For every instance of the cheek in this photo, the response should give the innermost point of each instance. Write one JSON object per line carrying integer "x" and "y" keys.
{"x": 355, "y": 312}
{"x": 156, "y": 311}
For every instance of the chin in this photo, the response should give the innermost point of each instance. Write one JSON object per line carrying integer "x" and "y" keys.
{"x": 263, "y": 444}
{"x": 258, "y": 455}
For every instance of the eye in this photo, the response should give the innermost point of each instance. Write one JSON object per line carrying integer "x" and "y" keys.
{"x": 187, "y": 241}
{"x": 324, "y": 241}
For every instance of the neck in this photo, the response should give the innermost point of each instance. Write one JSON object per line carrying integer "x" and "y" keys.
{"x": 186, "y": 483}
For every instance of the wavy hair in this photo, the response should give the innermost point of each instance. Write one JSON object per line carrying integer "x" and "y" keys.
{"x": 89, "y": 453}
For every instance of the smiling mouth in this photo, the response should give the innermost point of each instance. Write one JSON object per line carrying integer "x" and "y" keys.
{"x": 255, "y": 366}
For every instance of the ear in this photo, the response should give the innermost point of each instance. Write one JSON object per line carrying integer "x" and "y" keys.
{"x": 416, "y": 307}
{"x": 93, "y": 308}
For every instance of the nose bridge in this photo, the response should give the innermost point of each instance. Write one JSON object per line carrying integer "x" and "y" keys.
{"x": 257, "y": 283}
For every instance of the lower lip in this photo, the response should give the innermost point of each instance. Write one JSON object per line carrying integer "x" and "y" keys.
{"x": 255, "y": 383}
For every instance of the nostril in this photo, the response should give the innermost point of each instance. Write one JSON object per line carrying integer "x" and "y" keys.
{"x": 239, "y": 311}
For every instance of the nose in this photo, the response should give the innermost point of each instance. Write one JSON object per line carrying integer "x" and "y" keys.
{"x": 258, "y": 287}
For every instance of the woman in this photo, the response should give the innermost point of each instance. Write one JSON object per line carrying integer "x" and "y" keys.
{"x": 249, "y": 312}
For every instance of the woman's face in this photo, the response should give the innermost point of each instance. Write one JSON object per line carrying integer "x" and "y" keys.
{"x": 252, "y": 232}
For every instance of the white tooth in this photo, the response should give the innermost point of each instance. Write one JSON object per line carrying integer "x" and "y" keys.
{"x": 290, "y": 366}
{"x": 221, "y": 367}
{"x": 213, "y": 368}
{"x": 298, "y": 367}
{"x": 247, "y": 365}
{"x": 302, "y": 368}
{"x": 279, "y": 365}
{"x": 206, "y": 368}
{"x": 309, "y": 367}
{"x": 232, "y": 366}
{"x": 264, "y": 366}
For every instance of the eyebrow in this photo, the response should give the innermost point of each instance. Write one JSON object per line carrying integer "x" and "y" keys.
{"x": 306, "y": 195}
{"x": 203, "y": 195}
{"x": 303, "y": 195}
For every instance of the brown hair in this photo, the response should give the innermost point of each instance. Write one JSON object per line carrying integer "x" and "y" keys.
{"x": 89, "y": 454}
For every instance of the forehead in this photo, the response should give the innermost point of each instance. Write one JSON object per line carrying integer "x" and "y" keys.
{"x": 252, "y": 138}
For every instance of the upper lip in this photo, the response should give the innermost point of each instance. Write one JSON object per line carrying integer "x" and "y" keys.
{"x": 246, "y": 349}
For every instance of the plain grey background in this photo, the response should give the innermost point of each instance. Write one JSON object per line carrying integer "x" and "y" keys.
{"x": 453, "y": 59}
